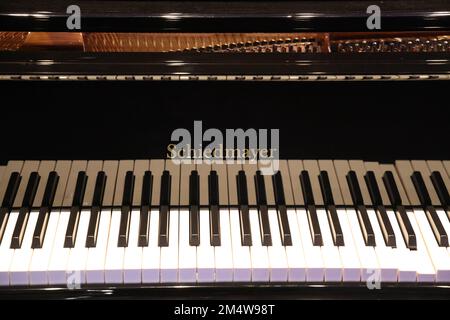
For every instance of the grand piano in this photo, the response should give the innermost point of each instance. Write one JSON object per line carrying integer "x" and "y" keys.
{"x": 93, "y": 205}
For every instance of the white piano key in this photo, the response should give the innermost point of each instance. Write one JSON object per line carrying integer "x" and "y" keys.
{"x": 277, "y": 254}
{"x": 242, "y": 266}
{"x": 258, "y": 252}
{"x": 386, "y": 256}
{"x": 22, "y": 257}
{"x": 223, "y": 254}
{"x": 366, "y": 254}
{"x": 169, "y": 254}
{"x": 294, "y": 254}
{"x": 6, "y": 253}
{"x": 439, "y": 255}
{"x": 151, "y": 255}
{"x": 330, "y": 253}
{"x": 409, "y": 263}
{"x": 313, "y": 254}
{"x": 351, "y": 266}
{"x": 187, "y": 266}
{"x": 95, "y": 265}
{"x": 41, "y": 256}
{"x": 60, "y": 255}
{"x": 115, "y": 254}
{"x": 205, "y": 252}
{"x": 79, "y": 253}
{"x": 445, "y": 222}
{"x": 422, "y": 251}
{"x": 132, "y": 263}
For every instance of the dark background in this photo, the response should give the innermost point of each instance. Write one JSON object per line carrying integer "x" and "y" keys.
{"x": 115, "y": 120}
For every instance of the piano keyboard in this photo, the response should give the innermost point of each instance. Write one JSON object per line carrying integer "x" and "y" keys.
{"x": 151, "y": 221}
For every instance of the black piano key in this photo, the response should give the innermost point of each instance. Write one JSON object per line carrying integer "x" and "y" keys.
{"x": 214, "y": 225}
{"x": 260, "y": 187}
{"x": 333, "y": 219}
{"x": 313, "y": 220}
{"x": 213, "y": 188}
{"x": 307, "y": 192}
{"x": 4, "y": 215}
{"x": 264, "y": 225}
{"x": 261, "y": 199}
{"x": 97, "y": 202}
{"x": 30, "y": 191}
{"x": 44, "y": 211}
{"x": 124, "y": 228}
{"x": 361, "y": 211}
{"x": 11, "y": 190}
{"x": 194, "y": 214}
{"x": 146, "y": 196}
{"x": 94, "y": 223}
{"x": 8, "y": 200}
{"x": 278, "y": 189}
{"x": 355, "y": 190}
{"x": 24, "y": 212}
{"x": 383, "y": 219}
{"x": 99, "y": 190}
{"x": 325, "y": 187}
{"x": 214, "y": 215}
{"x": 436, "y": 226}
{"x": 163, "y": 232}
{"x": 421, "y": 189}
{"x": 50, "y": 189}
{"x": 194, "y": 189}
{"x": 391, "y": 188}
{"x": 441, "y": 189}
{"x": 372, "y": 186}
{"x": 74, "y": 218}
{"x": 314, "y": 226}
{"x": 164, "y": 203}
{"x": 125, "y": 216}
{"x": 164, "y": 199}
{"x": 365, "y": 225}
{"x": 424, "y": 198}
{"x": 335, "y": 226}
{"x": 385, "y": 226}
{"x": 283, "y": 222}
{"x": 244, "y": 218}
{"x": 406, "y": 228}
{"x": 241, "y": 181}
{"x": 194, "y": 226}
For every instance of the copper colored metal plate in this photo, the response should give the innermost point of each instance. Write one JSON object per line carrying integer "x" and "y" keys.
{"x": 204, "y": 42}
{"x": 12, "y": 41}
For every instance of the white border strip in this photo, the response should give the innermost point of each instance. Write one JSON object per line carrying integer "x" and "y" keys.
{"x": 349, "y": 77}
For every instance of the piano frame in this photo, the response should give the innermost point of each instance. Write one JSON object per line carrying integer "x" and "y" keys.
{"x": 206, "y": 16}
